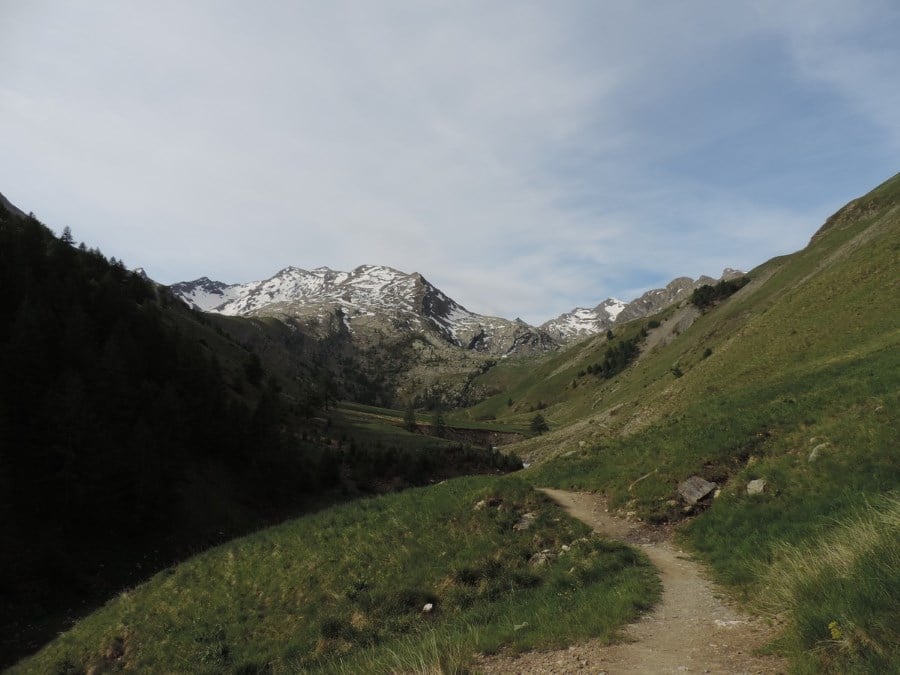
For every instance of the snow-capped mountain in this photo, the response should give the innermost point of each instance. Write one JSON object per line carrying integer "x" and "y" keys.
{"x": 372, "y": 295}
{"x": 582, "y": 322}
{"x": 367, "y": 296}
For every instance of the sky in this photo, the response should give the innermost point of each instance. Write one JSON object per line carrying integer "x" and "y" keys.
{"x": 525, "y": 157}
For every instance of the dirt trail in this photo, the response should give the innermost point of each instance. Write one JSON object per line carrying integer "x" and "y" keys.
{"x": 692, "y": 630}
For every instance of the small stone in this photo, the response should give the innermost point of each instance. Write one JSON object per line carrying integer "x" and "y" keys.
{"x": 756, "y": 487}
{"x": 480, "y": 505}
{"x": 428, "y": 607}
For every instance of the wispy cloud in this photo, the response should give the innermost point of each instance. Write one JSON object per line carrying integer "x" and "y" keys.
{"x": 525, "y": 157}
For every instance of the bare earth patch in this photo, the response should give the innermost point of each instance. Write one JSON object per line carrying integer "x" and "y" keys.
{"x": 694, "y": 629}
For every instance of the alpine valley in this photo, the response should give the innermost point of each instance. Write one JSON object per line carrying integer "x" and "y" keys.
{"x": 342, "y": 472}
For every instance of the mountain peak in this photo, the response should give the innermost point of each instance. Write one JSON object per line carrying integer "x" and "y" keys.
{"x": 367, "y": 295}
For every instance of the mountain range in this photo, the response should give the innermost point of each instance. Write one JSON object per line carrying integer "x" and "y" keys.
{"x": 375, "y": 294}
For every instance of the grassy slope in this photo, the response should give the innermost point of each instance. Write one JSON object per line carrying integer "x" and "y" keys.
{"x": 803, "y": 359}
{"x": 806, "y": 357}
{"x": 344, "y": 590}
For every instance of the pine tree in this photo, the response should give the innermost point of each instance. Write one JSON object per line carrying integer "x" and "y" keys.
{"x": 539, "y": 424}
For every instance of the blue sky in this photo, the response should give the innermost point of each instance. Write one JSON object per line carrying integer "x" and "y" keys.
{"x": 526, "y": 157}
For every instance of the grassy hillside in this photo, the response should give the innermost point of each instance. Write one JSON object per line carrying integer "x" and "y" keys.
{"x": 345, "y": 590}
{"x": 794, "y": 380}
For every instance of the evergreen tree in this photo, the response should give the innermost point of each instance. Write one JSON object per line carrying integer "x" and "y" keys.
{"x": 539, "y": 424}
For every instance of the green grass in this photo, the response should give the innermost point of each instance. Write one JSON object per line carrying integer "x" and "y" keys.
{"x": 388, "y": 419}
{"x": 343, "y": 590}
{"x": 368, "y": 425}
{"x": 843, "y": 592}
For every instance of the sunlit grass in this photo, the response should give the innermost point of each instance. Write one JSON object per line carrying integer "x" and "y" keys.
{"x": 842, "y": 593}
{"x": 346, "y": 588}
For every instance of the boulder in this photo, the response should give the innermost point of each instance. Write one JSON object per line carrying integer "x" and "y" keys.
{"x": 756, "y": 487}
{"x": 694, "y": 489}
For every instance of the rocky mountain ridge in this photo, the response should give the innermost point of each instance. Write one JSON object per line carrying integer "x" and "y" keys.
{"x": 368, "y": 296}
{"x": 584, "y": 322}
{"x": 371, "y": 294}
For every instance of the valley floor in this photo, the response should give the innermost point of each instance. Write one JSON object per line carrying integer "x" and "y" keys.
{"x": 692, "y": 630}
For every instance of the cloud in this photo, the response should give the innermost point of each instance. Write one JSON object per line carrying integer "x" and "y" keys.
{"x": 524, "y": 157}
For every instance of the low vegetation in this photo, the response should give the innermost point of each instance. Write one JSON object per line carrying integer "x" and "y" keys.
{"x": 415, "y": 579}
{"x": 843, "y": 592}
